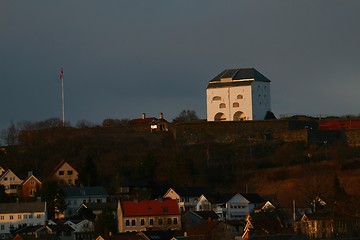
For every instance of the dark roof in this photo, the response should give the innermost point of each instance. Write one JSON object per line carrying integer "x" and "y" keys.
{"x": 190, "y": 191}
{"x": 84, "y": 191}
{"x": 253, "y": 197}
{"x": 239, "y": 77}
{"x": 206, "y": 214}
{"x": 101, "y": 206}
{"x": 159, "y": 235}
{"x": 22, "y": 207}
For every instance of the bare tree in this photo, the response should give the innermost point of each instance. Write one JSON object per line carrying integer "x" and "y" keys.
{"x": 186, "y": 116}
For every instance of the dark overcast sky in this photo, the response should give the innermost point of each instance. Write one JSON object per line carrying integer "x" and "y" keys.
{"x": 123, "y": 58}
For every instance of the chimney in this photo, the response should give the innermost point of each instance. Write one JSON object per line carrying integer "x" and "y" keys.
{"x": 30, "y": 173}
{"x": 143, "y": 116}
{"x": 161, "y": 116}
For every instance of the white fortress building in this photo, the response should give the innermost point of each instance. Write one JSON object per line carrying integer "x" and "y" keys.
{"x": 238, "y": 95}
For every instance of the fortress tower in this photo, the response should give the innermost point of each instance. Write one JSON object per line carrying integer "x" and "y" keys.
{"x": 238, "y": 94}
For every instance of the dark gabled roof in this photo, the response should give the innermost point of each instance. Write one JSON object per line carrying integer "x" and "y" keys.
{"x": 253, "y": 197}
{"x": 206, "y": 215}
{"x": 84, "y": 191}
{"x": 124, "y": 236}
{"x": 190, "y": 191}
{"x": 238, "y": 76}
{"x": 159, "y": 235}
{"x": 101, "y": 206}
{"x": 22, "y": 207}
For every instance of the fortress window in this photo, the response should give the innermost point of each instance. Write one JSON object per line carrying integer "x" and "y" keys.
{"x": 216, "y": 98}
{"x": 222, "y": 105}
{"x": 236, "y": 105}
{"x": 240, "y": 96}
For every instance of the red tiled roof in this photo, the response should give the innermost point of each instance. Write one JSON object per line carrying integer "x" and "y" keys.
{"x": 150, "y": 208}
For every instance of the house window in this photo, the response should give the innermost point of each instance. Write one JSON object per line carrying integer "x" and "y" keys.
{"x": 2, "y": 227}
{"x": 61, "y": 173}
{"x": 222, "y": 105}
{"x": 216, "y": 98}
{"x": 11, "y": 217}
{"x": 175, "y": 220}
{"x": 169, "y": 221}
{"x": 30, "y": 216}
{"x": 5, "y": 179}
{"x": 133, "y": 222}
{"x": 19, "y": 216}
{"x": 25, "y": 216}
{"x": 127, "y": 222}
{"x": 70, "y": 172}
{"x": 142, "y": 221}
{"x": 32, "y": 183}
{"x": 2, "y": 217}
{"x": 160, "y": 221}
{"x": 38, "y": 216}
{"x": 70, "y": 181}
{"x": 75, "y": 202}
{"x": 151, "y": 221}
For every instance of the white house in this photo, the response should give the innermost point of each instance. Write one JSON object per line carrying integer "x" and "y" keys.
{"x": 238, "y": 207}
{"x": 19, "y": 214}
{"x": 188, "y": 198}
{"x": 75, "y": 196}
{"x": 238, "y": 94}
{"x": 10, "y": 181}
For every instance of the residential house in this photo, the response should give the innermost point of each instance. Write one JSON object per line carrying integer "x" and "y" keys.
{"x": 10, "y": 181}
{"x": 190, "y": 218}
{"x": 211, "y": 230}
{"x": 65, "y": 174}
{"x": 75, "y": 196}
{"x": 238, "y": 206}
{"x": 122, "y": 236}
{"x": 29, "y": 186}
{"x": 148, "y": 215}
{"x": 238, "y": 94}
{"x": 327, "y": 224}
{"x": 17, "y": 215}
{"x": 150, "y": 123}
{"x": 264, "y": 224}
{"x": 189, "y": 198}
{"x": 99, "y": 208}
{"x": 20, "y": 236}
{"x": 60, "y": 231}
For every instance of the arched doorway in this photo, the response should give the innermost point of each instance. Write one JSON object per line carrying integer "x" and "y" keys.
{"x": 239, "y": 116}
{"x": 219, "y": 117}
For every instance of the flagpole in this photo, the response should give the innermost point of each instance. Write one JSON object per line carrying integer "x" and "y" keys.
{"x": 62, "y": 96}
{"x": 62, "y": 101}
